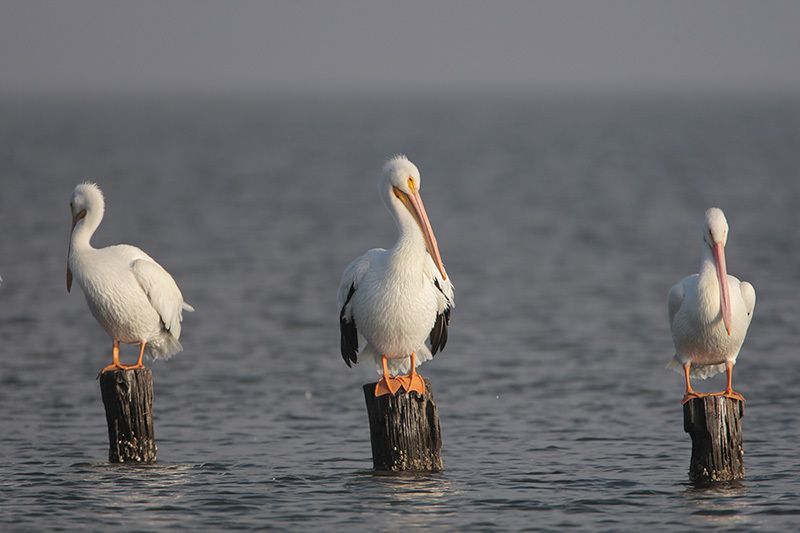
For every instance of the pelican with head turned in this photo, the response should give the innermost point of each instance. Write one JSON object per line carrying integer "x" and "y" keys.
{"x": 132, "y": 297}
{"x": 396, "y": 299}
{"x": 709, "y": 313}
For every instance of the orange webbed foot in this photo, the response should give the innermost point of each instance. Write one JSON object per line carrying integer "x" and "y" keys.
{"x": 388, "y": 385}
{"x": 110, "y": 368}
{"x": 405, "y": 381}
{"x": 692, "y": 395}
{"x": 414, "y": 382}
{"x": 732, "y": 394}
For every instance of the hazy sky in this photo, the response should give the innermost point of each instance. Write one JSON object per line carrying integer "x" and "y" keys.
{"x": 180, "y": 45}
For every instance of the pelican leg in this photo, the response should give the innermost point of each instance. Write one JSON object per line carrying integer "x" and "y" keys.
{"x": 729, "y": 392}
{"x": 139, "y": 363}
{"x": 413, "y": 381}
{"x": 115, "y": 364}
{"x": 690, "y": 392}
{"x": 388, "y": 383}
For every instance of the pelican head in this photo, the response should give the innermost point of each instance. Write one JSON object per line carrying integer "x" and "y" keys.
{"x": 716, "y": 235}
{"x": 86, "y": 201}
{"x": 716, "y": 227}
{"x": 401, "y": 183}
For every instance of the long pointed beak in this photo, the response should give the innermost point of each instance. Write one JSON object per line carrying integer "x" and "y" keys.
{"x": 722, "y": 276}
{"x": 425, "y": 224}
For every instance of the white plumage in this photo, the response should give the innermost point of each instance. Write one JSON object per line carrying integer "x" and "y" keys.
{"x": 132, "y": 297}
{"x": 395, "y": 299}
{"x": 710, "y": 312}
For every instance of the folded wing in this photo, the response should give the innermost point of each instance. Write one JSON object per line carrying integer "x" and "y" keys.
{"x": 163, "y": 293}
{"x": 351, "y": 277}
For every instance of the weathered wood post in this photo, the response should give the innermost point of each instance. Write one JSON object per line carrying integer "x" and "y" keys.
{"x": 715, "y": 425}
{"x": 128, "y": 399}
{"x": 404, "y": 430}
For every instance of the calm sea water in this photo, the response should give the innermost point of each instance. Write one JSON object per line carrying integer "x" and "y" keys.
{"x": 562, "y": 223}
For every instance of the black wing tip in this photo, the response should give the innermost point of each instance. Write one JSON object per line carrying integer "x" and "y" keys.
{"x": 349, "y": 358}
{"x": 438, "y": 335}
{"x": 349, "y": 333}
{"x": 348, "y": 354}
{"x": 349, "y": 344}
{"x": 443, "y": 342}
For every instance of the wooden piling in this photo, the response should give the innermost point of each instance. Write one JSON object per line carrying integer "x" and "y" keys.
{"x": 715, "y": 425}
{"x": 404, "y": 431}
{"x": 128, "y": 399}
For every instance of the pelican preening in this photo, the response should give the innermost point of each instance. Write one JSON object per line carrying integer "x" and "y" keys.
{"x": 709, "y": 313}
{"x": 397, "y": 298}
{"x": 131, "y": 296}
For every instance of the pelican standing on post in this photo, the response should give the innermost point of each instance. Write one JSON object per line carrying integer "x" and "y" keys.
{"x": 397, "y": 298}
{"x": 709, "y": 313}
{"x": 131, "y": 296}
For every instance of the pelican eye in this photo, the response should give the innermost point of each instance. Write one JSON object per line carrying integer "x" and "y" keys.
{"x": 411, "y": 183}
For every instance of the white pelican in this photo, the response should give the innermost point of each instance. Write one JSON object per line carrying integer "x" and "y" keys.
{"x": 709, "y": 313}
{"x": 131, "y": 296}
{"x": 397, "y": 298}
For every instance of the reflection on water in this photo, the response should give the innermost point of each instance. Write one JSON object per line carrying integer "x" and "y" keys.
{"x": 413, "y": 500}
{"x": 428, "y": 488}
{"x": 563, "y": 225}
{"x": 721, "y": 504}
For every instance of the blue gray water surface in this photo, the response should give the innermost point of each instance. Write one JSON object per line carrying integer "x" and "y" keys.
{"x": 562, "y": 223}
